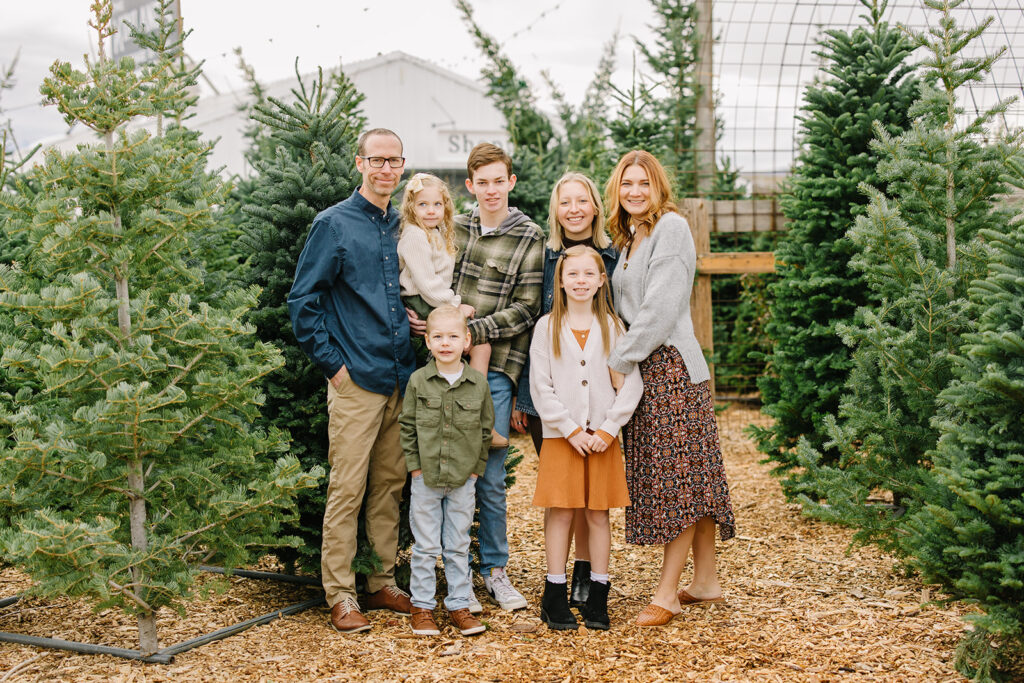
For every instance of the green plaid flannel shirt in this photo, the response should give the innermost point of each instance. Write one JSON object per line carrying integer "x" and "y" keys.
{"x": 500, "y": 275}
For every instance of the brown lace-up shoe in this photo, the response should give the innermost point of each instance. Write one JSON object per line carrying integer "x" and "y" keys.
{"x": 346, "y": 617}
{"x": 389, "y": 597}
{"x": 467, "y": 624}
{"x": 423, "y": 623}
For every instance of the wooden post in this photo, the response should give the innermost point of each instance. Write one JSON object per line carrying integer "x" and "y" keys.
{"x": 704, "y": 142}
{"x": 696, "y": 214}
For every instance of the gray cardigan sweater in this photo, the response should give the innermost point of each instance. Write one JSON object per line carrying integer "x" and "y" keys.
{"x": 652, "y": 295}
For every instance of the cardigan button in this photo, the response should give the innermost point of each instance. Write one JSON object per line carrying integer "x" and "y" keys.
{"x": 583, "y": 362}
{"x": 584, "y": 382}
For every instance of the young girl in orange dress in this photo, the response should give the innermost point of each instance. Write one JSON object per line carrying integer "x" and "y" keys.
{"x": 581, "y": 463}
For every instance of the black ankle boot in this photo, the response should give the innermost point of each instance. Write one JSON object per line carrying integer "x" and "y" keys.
{"x": 554, "y": 608}
{"x": 580, "y": 583}
{"x": 595, "y": 612}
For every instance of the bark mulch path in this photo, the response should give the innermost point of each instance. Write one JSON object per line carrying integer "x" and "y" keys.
{"x": 799, "y": 608}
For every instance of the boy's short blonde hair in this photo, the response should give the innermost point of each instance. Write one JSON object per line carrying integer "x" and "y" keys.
{"x": 446, "y": 312}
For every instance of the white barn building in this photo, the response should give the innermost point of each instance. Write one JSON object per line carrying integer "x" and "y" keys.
{"x": 439, "y": 114}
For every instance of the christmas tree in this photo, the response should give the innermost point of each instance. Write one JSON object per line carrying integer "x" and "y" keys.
{"x": 918, "y": 250}
{"x": 131, "y": 456}
{"x": 303, "y": 155}
{"x": 970, "y": 534}
{"x": 866, "y": 84}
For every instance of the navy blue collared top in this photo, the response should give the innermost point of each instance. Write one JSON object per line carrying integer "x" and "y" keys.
{"x": 345, "y": 303}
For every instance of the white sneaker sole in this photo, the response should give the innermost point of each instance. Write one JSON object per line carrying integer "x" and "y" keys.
{"x": 426, "y": 632}
{"x": 473, "y": 631}
{"x": 511, "y": 605}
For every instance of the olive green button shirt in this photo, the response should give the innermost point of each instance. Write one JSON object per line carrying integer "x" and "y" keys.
{"x": 446, "y": 428}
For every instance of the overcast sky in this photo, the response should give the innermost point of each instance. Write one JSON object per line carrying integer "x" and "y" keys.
{"x": 564, "y": 36}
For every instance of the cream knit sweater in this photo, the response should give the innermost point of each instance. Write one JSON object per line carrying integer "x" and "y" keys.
{"x": 426, "y": 266}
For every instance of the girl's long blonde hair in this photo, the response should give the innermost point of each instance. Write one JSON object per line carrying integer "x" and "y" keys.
{"x": 661, "y": 198}
{"x": 599, "y": 237}
{"x": 601, "y": 304}
{"x": 446, "y": 227}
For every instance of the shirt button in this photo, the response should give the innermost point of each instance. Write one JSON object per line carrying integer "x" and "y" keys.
{"x": 584, "y": 382}
{"x": 582, "y": 362}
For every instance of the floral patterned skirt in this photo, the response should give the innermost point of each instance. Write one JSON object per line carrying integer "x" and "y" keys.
{"x": 673, "y": 457}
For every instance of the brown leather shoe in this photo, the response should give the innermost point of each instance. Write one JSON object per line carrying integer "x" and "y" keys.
{"x": 389, "y": 597}
{"x": 422, "y": 622}
{"x": 464, "y": 620}
{"x": 653, "y": 615}
{"x": 346, "y": 617}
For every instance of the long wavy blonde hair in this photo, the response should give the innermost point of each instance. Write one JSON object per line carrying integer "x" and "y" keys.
{"x": 661, "y": 198}
{"x": 446, "y": 227}
{"x": 601, "y": 304}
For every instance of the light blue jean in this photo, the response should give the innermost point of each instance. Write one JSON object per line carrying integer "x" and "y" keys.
{"x": 440, "y": 521}
{"x": 490, "y": 488}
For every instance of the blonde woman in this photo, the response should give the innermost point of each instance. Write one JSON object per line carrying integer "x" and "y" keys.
{"x": 575, "y": 217}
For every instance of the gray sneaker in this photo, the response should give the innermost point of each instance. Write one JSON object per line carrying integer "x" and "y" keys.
{"x": 502, "y": 591}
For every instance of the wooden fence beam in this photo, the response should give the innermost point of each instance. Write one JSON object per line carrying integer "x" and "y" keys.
{"x": 734, "y": 263}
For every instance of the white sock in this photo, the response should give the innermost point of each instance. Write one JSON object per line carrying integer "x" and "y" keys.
{"x": 600, "y": 578}
{"x": 556, "y": 578}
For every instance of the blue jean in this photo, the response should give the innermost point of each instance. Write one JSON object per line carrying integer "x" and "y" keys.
{"x": 490, "y": 488}
{"x": 440, "y": 520}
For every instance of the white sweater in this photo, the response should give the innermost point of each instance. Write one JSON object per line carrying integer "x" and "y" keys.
{"x": 426, "y": 267}
{"x": 652, "y": 294}
{"x": 575, "y": 390}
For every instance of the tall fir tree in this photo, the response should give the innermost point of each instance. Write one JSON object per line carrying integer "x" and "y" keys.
{"x": 868, "y": 82}
{"x": 918, "y": 252}
{"x": 539, "y": 157}
{"x": 970, "y": 534}
{"x": 313, "y": 143}
{"x": 131, "y": 457}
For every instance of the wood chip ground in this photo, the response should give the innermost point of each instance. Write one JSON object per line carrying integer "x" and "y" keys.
{"x": 800, "y": 607}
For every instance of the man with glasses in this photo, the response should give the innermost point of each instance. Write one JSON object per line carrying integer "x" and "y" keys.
{"x": 347, "y": 314}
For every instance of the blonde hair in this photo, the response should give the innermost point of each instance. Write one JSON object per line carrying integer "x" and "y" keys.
{"x": 661, "y": 197}
{"x": 601, "y": 304}
{"x": 598, "y": 236}
{"x": 446, "y": 227}
{"x": 445, "y": 312}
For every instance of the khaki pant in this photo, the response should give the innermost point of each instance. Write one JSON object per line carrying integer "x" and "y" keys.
{"x": 365, "y": 454}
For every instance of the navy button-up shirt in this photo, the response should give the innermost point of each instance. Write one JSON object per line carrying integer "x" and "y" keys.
{"x": 345, "y": 303}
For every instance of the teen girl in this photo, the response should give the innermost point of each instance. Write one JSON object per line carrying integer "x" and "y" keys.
{"x": 673, "y": 458}
{"x": 581, "y": 414}
{"x": 575, "y": 216}
{"x": 426, "y": 257}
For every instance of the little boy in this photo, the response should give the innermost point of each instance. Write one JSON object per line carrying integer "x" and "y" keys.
{"x": 446, "y": 423}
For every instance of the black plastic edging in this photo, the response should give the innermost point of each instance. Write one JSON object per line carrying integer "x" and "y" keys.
{"x": 166, "y": 655}
{"x": 85, "y": 648}
{"x": 239, "y": 627}
{"x": 271, "y": 576}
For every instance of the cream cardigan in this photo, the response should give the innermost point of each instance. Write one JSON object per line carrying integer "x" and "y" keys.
{"x": 575, "y": 389}
{"x": 427, "y": 267}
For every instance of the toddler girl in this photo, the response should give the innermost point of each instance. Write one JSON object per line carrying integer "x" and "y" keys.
{"x": 426, "y": 255}
{"x": 581, "y": 413}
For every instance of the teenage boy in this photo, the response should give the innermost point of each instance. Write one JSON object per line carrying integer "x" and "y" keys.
{"x": 446, "y": 433}
{"x": 499, "y": 272}
{"x": 347, "y": 314}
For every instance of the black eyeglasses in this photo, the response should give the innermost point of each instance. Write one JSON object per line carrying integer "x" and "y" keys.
{"x": 378, "y": 162}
